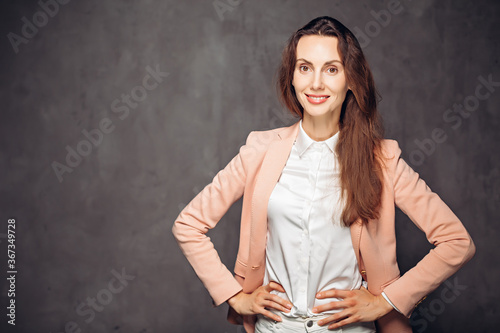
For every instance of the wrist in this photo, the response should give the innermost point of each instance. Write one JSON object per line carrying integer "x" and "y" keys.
{"x": 233, "y": 299}
{"x": 384, "y": 305}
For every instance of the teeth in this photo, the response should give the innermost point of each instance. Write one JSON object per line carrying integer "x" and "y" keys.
{"x": 318, "y": 98}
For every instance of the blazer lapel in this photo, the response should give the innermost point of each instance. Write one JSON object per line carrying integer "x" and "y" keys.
{"x": 272, "y": 166}
{"x": 356, "y": 228}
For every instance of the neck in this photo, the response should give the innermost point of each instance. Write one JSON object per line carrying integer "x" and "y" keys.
{"x": 320, "y": 128}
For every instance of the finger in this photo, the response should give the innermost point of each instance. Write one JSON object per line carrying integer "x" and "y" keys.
{"x": 270, "y": 315}
{"x": 326, "y": 320}
{"x": 268, "y": 287}
{"x": 274, "y": 301}
{"x": 331, "y": 306}
{"x": 348, "y": 320}
{"x": 334, "y": 318}
{"x": 269, "y": 304}
{"x": 283, "y": 303}
{"x": 337, "y": 293}
{"x": 276, "y": 286}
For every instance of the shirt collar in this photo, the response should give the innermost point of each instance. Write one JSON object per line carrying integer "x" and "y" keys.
{"x": 303, "y": 141}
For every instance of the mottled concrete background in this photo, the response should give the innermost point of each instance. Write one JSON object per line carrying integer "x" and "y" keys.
{"x": 115, "y": 114}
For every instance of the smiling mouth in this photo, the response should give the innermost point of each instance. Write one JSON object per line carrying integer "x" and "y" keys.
{"x": 317, "y": 98}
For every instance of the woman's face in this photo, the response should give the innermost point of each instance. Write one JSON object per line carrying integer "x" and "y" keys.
{"x": 319, "y": 79}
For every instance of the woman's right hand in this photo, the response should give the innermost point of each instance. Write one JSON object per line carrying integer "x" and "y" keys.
{"x": 260, "y": 299}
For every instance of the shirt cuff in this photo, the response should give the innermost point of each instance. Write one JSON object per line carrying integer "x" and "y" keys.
{"x": 388, "y": 300}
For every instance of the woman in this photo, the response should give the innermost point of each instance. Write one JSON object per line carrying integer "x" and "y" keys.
{"x": 317, "y": 237}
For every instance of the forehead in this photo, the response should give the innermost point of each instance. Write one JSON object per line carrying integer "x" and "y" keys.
{"x": 318, "y": 49}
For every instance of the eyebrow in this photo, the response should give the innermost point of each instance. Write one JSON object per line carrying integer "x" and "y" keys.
{"x": 326, "y": 63}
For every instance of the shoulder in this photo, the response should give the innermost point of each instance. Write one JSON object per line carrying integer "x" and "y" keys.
{"x": 260, "y": 139}
{"x": 390, "y": 157}
{"x": 257, "y": 144}
{"x": 390, "y": 150}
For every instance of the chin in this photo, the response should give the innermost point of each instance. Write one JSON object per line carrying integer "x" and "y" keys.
{"x": 318, "y": 112}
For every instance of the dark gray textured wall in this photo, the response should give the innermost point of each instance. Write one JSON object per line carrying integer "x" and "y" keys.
{"x": 110, "y": 212}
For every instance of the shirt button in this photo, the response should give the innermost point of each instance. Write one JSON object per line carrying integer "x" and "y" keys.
{"x": 309, "y": 323}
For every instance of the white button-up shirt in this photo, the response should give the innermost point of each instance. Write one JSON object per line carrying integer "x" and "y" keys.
{"x": 308, "y": 250}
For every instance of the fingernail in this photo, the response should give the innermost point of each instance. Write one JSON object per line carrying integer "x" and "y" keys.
{"x": 318, "y": 295}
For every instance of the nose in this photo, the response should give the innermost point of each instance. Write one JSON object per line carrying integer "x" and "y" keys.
{"x": 317, "y": 83}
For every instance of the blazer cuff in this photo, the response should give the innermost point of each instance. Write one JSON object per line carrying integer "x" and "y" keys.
{"x": 228, "y": 291}
{"x": 388, "y": 300}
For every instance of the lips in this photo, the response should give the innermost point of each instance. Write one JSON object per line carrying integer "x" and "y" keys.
{"x": 317, "y": 99}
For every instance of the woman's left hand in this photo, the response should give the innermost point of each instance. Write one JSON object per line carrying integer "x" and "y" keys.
{"x": 358, "y": 305}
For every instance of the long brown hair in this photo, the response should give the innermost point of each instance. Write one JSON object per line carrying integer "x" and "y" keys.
{"x": 361, "y": 129}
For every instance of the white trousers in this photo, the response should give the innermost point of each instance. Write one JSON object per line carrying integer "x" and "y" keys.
{"x": 309, "y": 325}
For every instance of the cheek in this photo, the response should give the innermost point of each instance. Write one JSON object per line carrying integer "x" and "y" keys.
{"x": 337, "y": 86}
{"x": 299, "y": 83}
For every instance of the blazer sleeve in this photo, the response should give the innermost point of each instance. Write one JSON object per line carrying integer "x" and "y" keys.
{"x": 202, "y": 213}
{"x": 453, "y": 246}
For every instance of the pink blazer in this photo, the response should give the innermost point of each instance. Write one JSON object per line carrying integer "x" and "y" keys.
{"x": 253, "y": 173}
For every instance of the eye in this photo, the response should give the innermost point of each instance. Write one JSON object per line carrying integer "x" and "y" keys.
{"x": 303, "y": 68}
{"x": 332, "y": 70}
